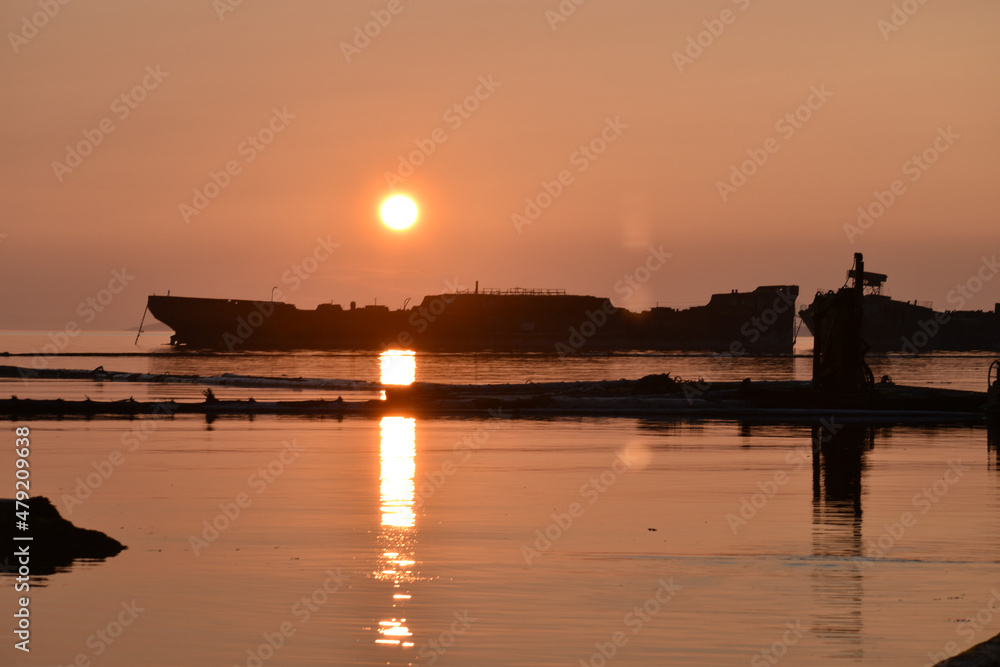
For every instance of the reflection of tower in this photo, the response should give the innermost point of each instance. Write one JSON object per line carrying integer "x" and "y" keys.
{"x": 838, "y": 463}
{"x": 993, "y": 411}
{"x": 993, "y": 440}
{"x": 397, "y": 491}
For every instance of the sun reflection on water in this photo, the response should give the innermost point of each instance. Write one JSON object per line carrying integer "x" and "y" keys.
{"x": 397, "y": 367}
{"x": 398, "y": 465}
{"x": 397, "y": 492}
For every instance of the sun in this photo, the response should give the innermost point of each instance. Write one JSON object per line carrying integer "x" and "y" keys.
{"x": 399, "y": 212}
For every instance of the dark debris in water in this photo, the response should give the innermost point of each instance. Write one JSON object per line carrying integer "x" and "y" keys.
{"x": 55, "y": 542}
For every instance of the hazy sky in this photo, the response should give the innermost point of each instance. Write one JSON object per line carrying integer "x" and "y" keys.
{"x": 115, "y": 113}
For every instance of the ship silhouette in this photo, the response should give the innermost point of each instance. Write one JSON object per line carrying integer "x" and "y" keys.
{"x": 501, "y": 320}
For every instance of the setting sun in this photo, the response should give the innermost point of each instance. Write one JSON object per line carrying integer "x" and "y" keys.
{"x": 398, "y": 212}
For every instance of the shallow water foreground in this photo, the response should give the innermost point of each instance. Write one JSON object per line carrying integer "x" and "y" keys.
{"x": 317, "y": 542}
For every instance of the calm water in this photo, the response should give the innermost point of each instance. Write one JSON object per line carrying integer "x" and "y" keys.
{"x": 950, "y": 370}
{"x": 503, "y": 542}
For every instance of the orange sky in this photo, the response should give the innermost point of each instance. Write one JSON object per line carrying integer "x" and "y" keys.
{"x": 673, "y": 129}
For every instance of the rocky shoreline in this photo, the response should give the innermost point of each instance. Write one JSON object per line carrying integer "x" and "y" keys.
{"x": 55, "y": 542}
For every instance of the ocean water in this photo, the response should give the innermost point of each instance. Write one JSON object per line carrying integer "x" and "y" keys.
{"x": 493, "y": 541}
{"x": 151, "y": 354}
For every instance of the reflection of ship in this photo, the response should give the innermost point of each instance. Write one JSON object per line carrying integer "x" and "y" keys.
{"x": 838, "y": 472}
{"x": 993, "y": 408}
{"x": 993, "y": 392}
{"x": 889, "y": 325}
{"x": 758, "y": 322}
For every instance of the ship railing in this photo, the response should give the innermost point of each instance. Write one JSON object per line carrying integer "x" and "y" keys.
{"x": 531, "y": 291}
